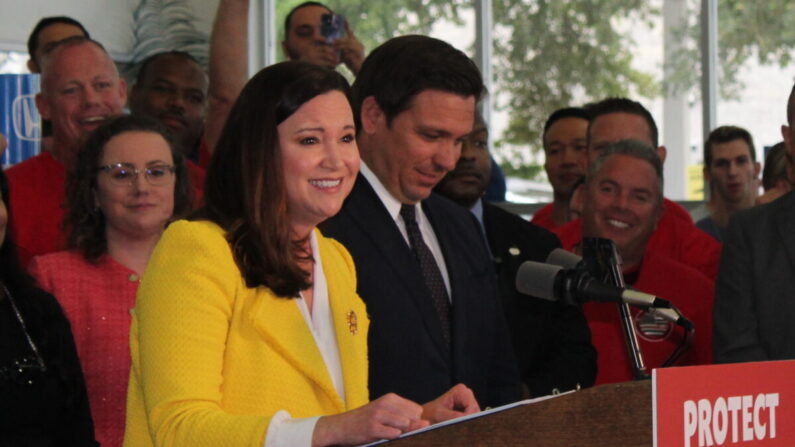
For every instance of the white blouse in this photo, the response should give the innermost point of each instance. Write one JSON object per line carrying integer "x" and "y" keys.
{"x": 283, "y": 429}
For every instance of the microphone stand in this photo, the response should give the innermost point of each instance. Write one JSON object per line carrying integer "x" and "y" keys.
{"x": 608, "y": 262}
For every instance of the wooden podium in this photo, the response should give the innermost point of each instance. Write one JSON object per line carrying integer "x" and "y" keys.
{"x": 610, "y": 415}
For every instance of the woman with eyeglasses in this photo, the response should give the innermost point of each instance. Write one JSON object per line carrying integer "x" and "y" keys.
{"x": 42, "y": 394}
{"x": 127, "y": 185}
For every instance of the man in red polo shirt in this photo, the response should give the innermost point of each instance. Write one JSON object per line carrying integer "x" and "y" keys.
{"x": 623, "y": 202}
{"x": 675, "y": 235}
{"x": 80, "y": 90}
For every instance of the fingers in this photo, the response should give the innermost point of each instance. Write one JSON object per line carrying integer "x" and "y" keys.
{"x": 351, "y": 53}
{"x": 349, "y": 43}
{"x": 382, "y": 431}
{"x": 384, "y": 418}
{"x": 397, "y": 405}
{"x": 441, "y": 414}
{"x": 416, "y": 425}
{"x": 393, "y": 415}
{"x": 344, "y": 43}
{"x": 457, "y": 401}
{"x": 464, "y": 399}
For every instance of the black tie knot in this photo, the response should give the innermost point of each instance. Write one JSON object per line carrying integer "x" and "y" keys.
{"x": 408, "y": 213}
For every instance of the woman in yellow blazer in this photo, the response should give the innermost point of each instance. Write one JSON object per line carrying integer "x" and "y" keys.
{"x": 247, "y": 325}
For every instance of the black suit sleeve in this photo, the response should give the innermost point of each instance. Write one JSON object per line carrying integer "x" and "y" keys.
{"x": 552, "y": 342}
{"x": 502, "y": 377}
{"x": 735, "y": 321}
{"x": 505, "y": 386}
{"x": 565, "y": 358}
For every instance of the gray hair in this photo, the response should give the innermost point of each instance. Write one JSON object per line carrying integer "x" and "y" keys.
{"x": 630, "y": 148}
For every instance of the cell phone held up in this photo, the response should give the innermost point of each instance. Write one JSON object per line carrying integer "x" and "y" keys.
{"x": 332, "y": 27}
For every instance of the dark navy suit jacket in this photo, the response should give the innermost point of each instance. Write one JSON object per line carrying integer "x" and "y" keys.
{"x": 755, "y": 292}
{"x": 552, "y": 341}
{"x": 407, "y": 352}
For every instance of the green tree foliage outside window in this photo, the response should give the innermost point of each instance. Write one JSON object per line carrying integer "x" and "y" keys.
{"x": 550, "y": 54}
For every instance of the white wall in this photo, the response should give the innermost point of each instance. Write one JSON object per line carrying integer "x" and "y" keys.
{"x": 109, "y": 21}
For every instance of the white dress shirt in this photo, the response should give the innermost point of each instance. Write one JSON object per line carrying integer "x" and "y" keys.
{"x": 393, "y": 207}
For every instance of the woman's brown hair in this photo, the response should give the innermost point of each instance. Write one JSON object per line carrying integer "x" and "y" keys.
{"x": 84, "y": 221}
{"x": 244, "y": 188}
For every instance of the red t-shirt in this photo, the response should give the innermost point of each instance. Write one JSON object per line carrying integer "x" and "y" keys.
{"x": 543, "y": 217}
{"x": 679, "y": 239}
{"x": 196, "y": 174}
{"x": 677, "y": 210}
{"x": 689, "y": 290}
{"x": 204, "y": 153}
{"x": 36, "y": 196}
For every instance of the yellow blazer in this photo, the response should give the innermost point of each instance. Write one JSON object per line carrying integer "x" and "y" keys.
{"x": 213, "y": 360}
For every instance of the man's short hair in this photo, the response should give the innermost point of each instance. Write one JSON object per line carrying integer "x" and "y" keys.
{"x": 70, "y": 42}
{"x": 74, "y": 41}
{"x": 566, "y": 112}
{"x": 775, "y": 166}
{"x": 33, "y": 39}
{"x": 791, "y": 106}
{"x": 631, "y": 148}
{"x": 142, "y": 71}
{"x": 402, "y": 67}
{"x": 725, "y": 134}
{"x": 289, "y": 16}
{"x": 623, "y": 105}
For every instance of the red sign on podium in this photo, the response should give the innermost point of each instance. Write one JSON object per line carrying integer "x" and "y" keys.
{"x": 748, "y": 404}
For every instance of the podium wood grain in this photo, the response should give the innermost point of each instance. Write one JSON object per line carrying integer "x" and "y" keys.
{"x": 607, "y": 415}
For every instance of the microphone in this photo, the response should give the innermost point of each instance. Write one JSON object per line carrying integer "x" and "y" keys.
{"x": 565, "y": 259}
{"x": 673, "y": 315}
{"x": 575, "y": 286}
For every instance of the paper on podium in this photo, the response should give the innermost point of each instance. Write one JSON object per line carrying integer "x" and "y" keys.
{"x": 479, "y": 414}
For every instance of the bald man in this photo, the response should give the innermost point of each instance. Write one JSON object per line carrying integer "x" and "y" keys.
{"x": 80, "y": 90}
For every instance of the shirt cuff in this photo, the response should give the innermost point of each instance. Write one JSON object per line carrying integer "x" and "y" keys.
{"x": 287, "y": 431}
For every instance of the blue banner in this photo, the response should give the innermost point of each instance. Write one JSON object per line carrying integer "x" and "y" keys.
{"x": 19, "y": 118}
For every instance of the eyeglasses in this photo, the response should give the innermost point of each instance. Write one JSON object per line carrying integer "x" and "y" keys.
{"x": 125, "y": 174}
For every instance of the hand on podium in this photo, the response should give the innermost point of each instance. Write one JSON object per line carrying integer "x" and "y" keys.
{"x": 456, "y": 402}
{"x": 387, "y": 417}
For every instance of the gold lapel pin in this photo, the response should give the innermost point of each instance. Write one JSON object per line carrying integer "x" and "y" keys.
{"x": 353, "y": 322}
{"x": 514, "y": 251}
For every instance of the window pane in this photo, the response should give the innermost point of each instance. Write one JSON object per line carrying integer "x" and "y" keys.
{"x": 12, "y": 62}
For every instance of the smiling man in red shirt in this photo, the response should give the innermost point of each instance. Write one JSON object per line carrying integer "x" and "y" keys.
{"x": 675, "y": 236}
{"x": 624, "y": 203}
{"x": 80, "y": 90}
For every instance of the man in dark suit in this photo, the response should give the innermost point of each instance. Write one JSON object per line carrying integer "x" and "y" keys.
{"x": 422, "y": 266}
{"x": 551, "y": 340}
{"x": 754, "y": 304}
